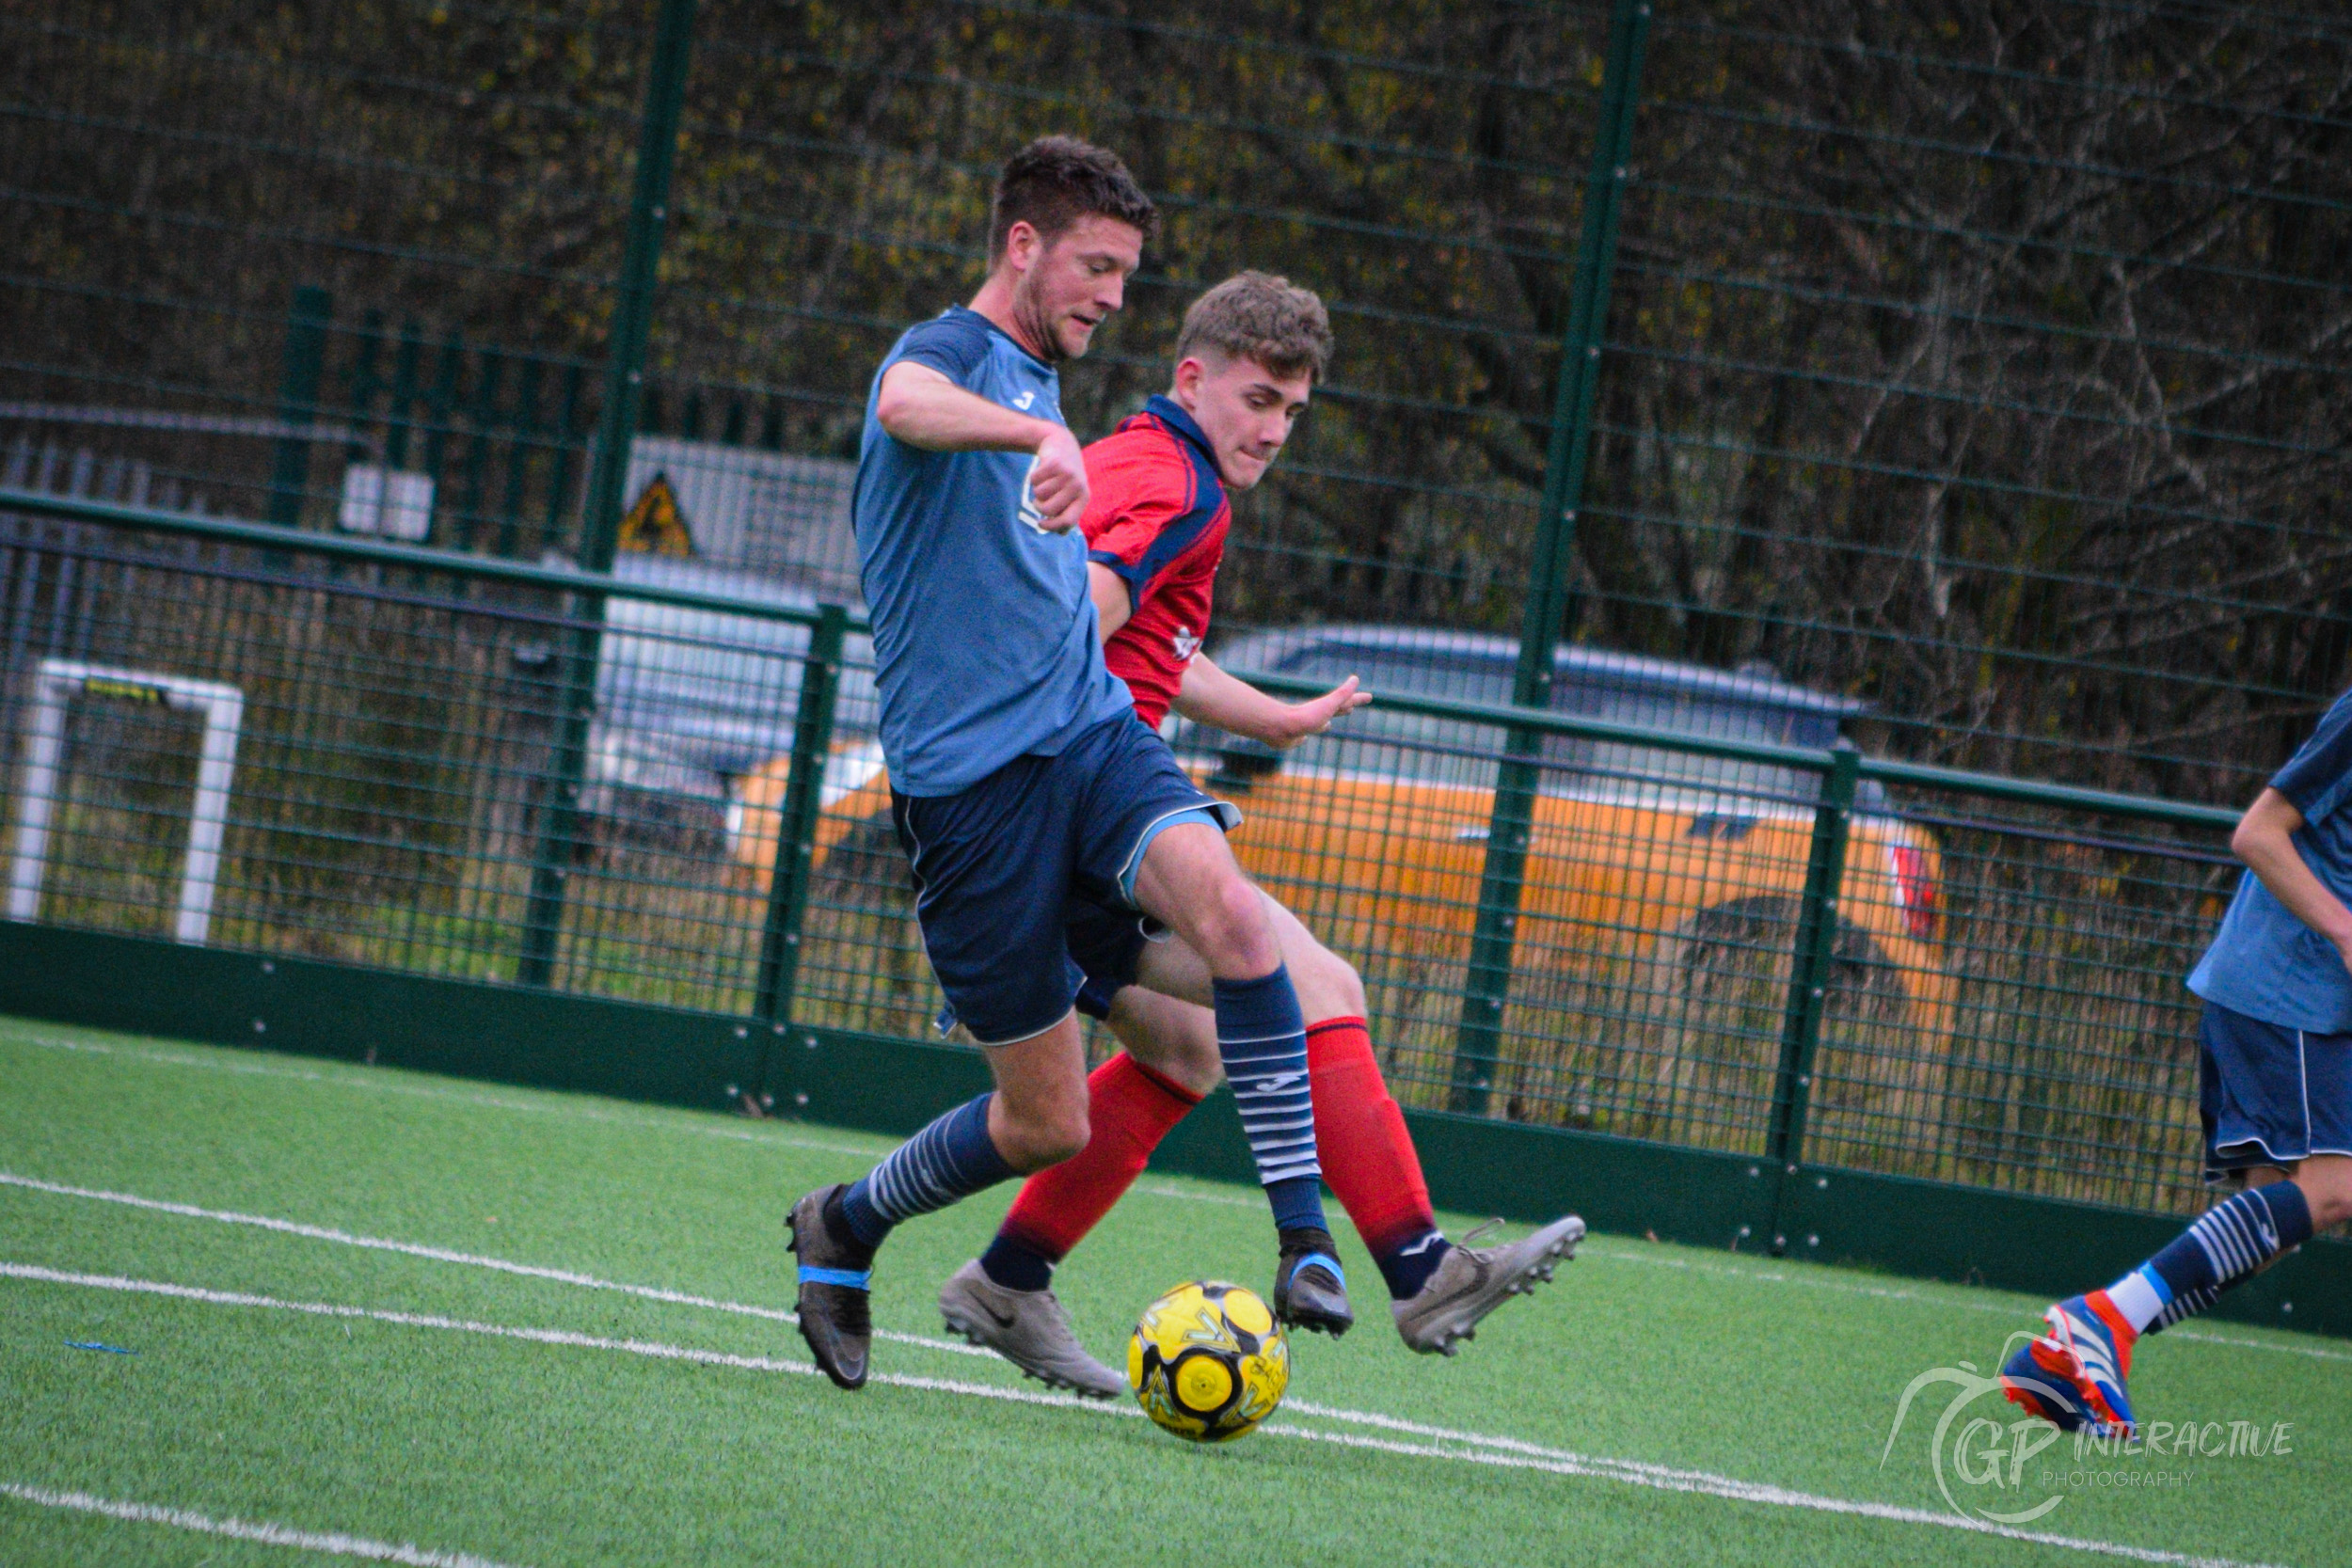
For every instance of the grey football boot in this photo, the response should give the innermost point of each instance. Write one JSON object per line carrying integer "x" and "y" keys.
{"x": 1470, "y": 1282}
{"x": 1027, "y": 1329}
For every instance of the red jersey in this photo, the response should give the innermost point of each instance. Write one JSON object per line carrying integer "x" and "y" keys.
{"x": 1157, "y": 517}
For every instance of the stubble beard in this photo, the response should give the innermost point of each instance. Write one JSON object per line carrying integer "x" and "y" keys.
{"x": 1031, "y": 314}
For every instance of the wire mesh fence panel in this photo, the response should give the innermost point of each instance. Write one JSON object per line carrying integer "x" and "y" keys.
{"x": 2071, "y": 1069}
{"x": 391, "y": 757}
{"x": 1985, "y": 368}
{"x": 263, "y": 249}
{"x": 1990, "y": 365}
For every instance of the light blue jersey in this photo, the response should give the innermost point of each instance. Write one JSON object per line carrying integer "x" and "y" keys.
{"x": 2264, "y": 962}
{"x": 985, "y": 642}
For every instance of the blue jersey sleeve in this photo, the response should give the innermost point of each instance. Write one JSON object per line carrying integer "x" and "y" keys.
{"x": 954, "y": 347}
{"x": 2317, "y": 778}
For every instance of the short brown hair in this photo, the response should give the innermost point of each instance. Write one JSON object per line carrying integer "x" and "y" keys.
{"x": 1256, "y": 315}
{"x": 1056, "y": 181}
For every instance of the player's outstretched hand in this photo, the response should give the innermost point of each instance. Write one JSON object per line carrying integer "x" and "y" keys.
{"x": 1057, "y": 481}
{"x": 1314, "y": 718}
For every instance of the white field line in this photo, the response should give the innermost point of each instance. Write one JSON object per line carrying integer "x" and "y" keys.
{"x": 1551, "y": 1460}
{"x": 444, "y": 1255}
{"x": 1629, "y": 1253}
{"x": 1754, "y": 1492}
{"x": 1163, "y": 1189}
{"x": 334, "y": 1543}
{"x": 1606, "y": 1252}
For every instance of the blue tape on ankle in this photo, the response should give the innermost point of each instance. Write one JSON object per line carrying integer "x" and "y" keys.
{"x": 1328, "y": 1261}
{"x": 856, "y": 1279}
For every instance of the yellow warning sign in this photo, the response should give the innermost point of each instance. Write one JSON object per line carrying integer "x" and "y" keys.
{"x": 125, "y": 692}
{"x": 655, "y": 525}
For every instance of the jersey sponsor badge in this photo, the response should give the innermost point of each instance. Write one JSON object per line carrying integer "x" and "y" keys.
{"x": 1031, "y": 517}
{"x": 1184, "y": 644}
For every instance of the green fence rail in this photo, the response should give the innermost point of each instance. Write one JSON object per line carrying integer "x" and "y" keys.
{"x": 1794, "y": 955}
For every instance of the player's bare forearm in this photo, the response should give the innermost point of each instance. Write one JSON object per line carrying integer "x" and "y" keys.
{"x": 2265, "y": 841}
{"x": 1213, "y": 696}
{"x": 923, "y": 408}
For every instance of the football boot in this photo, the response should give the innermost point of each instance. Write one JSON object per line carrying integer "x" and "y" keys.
{"x": 1472, "y": 1281}
{"x": 835, "y": 1275}
{"x": 1309, "y": 1287}
{"x": 2073, "y": 1375}
{"x": 1029, "y": 1328}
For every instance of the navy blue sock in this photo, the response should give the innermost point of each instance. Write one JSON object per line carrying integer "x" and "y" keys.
{"x": 952, "y": 1158}
{"x": 1407, "y": 1268}
{"x": 1262, "y": 1035}
{"x": 1297, "y": 1203}
{"x": 1015, "y": 1264}
{"x": 2229, "y": 1243}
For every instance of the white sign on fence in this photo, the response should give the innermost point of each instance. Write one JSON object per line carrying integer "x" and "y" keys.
{"x": 391, "y": 501}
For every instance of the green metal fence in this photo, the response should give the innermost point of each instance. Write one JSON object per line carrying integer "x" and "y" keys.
{"x": 1985, "y": 363}
{"x": 1784, "y": 951}
{"x": 1742, "y": 412}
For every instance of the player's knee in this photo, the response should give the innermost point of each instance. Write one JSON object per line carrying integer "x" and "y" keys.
{"x": 1232, "y": 931}
{"x": 1329, "y": 986}
{"x": 1045, "y": 1136}
{"x": 1194, "y": 1064}
{"x": 2330, "y": 1201}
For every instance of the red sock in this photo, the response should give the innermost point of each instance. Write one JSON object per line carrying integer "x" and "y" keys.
{"x": 1130, "y": 1109}
{"x": 1368, "y": 1157}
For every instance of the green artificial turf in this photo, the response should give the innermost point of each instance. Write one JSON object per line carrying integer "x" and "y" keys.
{"x": 525, "y": 1452}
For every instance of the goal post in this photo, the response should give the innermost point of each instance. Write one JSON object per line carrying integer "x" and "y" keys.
{"x": 55, "y": 684}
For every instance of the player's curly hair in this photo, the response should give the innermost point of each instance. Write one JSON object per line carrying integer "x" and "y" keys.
{"x": 1256, "y": 315}
{"x": 1056, "y": 181}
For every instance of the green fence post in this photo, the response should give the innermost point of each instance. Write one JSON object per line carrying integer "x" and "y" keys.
{"x": 1487, "y": 984}
{"x": 796, "y": 826}
{"x": 1808, "y": 983}
{"x": 522, "y": 447}
{"x": 400, "y": 417}
{"x": 624, "y": 357}
{"x": 365, "y": 385}
{"x": 560, "y": 479}
{"x": 298, "y": 380}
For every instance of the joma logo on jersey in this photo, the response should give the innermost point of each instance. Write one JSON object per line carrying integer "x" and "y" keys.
{"x": 1185, "y": 644}
{"x": 1023, "y": 401}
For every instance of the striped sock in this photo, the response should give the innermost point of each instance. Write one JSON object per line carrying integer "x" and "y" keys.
{"x": 1262, "y": 1035}
{"x": 951, "y": 1159}
{"x": 2231, "y": 1241}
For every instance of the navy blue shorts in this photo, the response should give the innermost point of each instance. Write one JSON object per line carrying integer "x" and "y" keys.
{"x": 2269, "y": 1094}
{"x": 1025, "y": 884}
